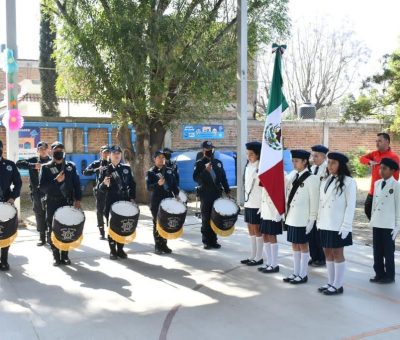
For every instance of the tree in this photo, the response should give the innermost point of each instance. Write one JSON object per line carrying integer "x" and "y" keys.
{"x": 154, "y": 63}
{"x": 320, "y": 65}
{"x": 48, "y": 74}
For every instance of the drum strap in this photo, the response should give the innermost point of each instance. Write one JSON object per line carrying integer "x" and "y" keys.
{"x": 247, "y": 194}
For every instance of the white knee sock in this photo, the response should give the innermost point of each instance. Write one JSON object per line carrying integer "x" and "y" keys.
{"x": 274, "y": 253}
{"x": 267, "y": 253}
{"x": 339, "y": 274}
{"x": 296, "y": 262}
{"x": 259, "y": 248}
{"x": 330, "y": 265}
{"x": 253, "y": 247}
{"x": 305, "y": 257}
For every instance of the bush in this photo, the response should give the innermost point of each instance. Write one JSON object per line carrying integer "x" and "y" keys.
{"x": 357, "y": 169}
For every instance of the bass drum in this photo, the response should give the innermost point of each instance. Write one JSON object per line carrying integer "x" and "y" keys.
{"x": 8, "y": 224}
{"x": 170, "y": 218}
{"x": 224, "y": 215}
{"x": 123, "y": 221}
{"x": 68, "y": 225}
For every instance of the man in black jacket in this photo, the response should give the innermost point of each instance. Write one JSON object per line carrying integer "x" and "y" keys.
{"x": 34, "y": 164}
{"x": 162, "y": 183}
{"x": 210, "y": 175}
{"x": 59, "y": 180}
{"x": 95, "y": 168}
{"x": 171, "y": 164}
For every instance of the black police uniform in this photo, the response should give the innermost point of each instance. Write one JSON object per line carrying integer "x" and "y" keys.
{"x": 9, "y": 175}
{"x": 171, "y": 164}
{"x": 95, "y": 168}
{"x": 36, "y": 195}
{"x": 58, "y": 195}
{"x": 211, "y": 184}
{"x": 122, "y": 188}
{"x": 158, "y": 193}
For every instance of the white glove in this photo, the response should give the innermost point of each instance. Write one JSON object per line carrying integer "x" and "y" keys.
{"x": 309, "y": 226}
{"x": 394, "y": 232}
{"x": 343, "y": 233}
{"x": 278, "y": 218}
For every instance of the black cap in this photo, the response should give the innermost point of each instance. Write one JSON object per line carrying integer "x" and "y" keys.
{"x": 158, "y": 153}
{"x": 207, "y": 145}
{"x": 115, "y": 148}
{"x": 42, "y": 144}
{"x": 390, "y": 163}
{"x": 167, "y": 150}
{"x": 338, "y": 156}
{"x": 301, "y": 154}
{"x": 254, "y": 146}
{"x": 105, "y": 148}
{"x": 1, "y": 144}
{"x": 320, "y": 148}
{"x": 56, "y": 145}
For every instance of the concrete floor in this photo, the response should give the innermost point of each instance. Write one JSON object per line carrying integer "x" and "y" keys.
{"x": 191, "y": 294}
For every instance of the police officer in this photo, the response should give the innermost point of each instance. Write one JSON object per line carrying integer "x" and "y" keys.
{"x": 210, "y": 175}
{"x": 117, "y": 183}
{"x": 170, "y": 164}
{"x": 95, "y": 168}
{"x": 59, "y": 180}
{"x": 34, "y": 165}
{"x": 162, "y": 183}
{"x": 9, "y": 175}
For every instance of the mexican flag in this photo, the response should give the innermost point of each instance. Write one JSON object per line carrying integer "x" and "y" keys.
{"x": 271, "y": 160}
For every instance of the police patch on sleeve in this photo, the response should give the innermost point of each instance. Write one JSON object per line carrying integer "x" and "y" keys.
{"x": 9, "y": 167}
{"x": 169, "y": 172}
{"x": 69, "y": 168}
{"x": 125, "y": 171}
{"x": 220, "y": 165}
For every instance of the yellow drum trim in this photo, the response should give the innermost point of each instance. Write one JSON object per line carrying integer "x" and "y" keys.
{"x": 121, "y": 239}
{"x": 221, "y": 232}
{"x": 168, "y": 236}
{"x": 66, "y": 246}
{"x": 7, "y": 242}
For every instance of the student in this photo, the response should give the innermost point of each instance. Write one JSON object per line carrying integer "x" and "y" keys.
{"x": 337, "y": 202}
{"x": 301, "y": 213}
{"x": 252, "y": 204}
{"x": 385, "y": 221}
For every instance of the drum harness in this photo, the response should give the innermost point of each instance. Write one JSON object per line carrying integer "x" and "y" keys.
{"x": 112, "y": 171}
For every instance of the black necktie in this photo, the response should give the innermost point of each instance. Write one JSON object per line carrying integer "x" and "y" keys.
{"x": 296, "y": 179}
{"x": 329, "y": 183}
{"x": 383, "y": 184}
{"x": 316, "y": 170}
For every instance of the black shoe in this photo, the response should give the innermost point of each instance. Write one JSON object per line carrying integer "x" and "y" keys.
{"x": 386, "y": 280}
{"x": 207, "y": 246}
{"x": 310, "y": 262}
{"x": 66, "y": 262}
{"x": 165, "y": 249}
{"x": 41, "y": 243}
{"x": 375, "y": 279}
{"x": 245, "y": 261}
{"x": 289, "y": 278}
{"x": 216, "y": 246}
{"x": 113, "y": 256}
{"x": 333, "y": 291}
{"x": 318, "y": 263}
{"x": 102, "y": 233}
{"x": 56, "y": 262}
{"x": 122, "y": 254}
{"x": 299, "y": 280}
{"x": 158, "y": 251}
{"x": 255, "y": 263}
{"x": 324, "y": 288}
{"x": 271, "y": 269}
{"x": 262, "y": 268}
{"x": 4, "y": 266}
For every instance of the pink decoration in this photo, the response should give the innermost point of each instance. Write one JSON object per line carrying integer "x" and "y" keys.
{"x": 13, "y": 120}
{"x": 10, "y": 86}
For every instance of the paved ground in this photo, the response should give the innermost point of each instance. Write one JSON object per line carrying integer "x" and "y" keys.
{"x": 192, "y": 294}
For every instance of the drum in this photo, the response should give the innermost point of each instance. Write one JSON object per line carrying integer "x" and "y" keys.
{"x": 224, "y": 215}
{"x": 170, "y": 218}
{"x": 183, "y": 197}
{"x": 123, "y": 221}
{"x": 8, "y": 224}
{"x": 67, "y": 228}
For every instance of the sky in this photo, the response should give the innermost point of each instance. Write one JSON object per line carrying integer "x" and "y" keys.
{"x": 374, "y": 22}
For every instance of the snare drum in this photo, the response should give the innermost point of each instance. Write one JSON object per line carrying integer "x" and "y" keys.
{"x": 68, "y": 225}
{"x": 8, "y": 224}
{"x": 170, "y": 218}
{"x": 224, "y": 215}
{"x": 123, "y": 221}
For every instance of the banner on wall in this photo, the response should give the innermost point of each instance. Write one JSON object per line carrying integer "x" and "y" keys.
{"x": 28, "y": 139}
{"x": 203, "y": 131}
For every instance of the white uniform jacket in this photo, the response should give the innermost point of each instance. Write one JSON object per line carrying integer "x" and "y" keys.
{"x": 252, "y": 193}
{"x": 304, "y": 206}
{"x": 336, "y": 209}
{"x": 386, "y": 205}
{"x": 268, "y": 210}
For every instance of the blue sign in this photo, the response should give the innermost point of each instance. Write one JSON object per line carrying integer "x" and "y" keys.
{"x": 28, "y": 139}
{"x": 202, "y": 131}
